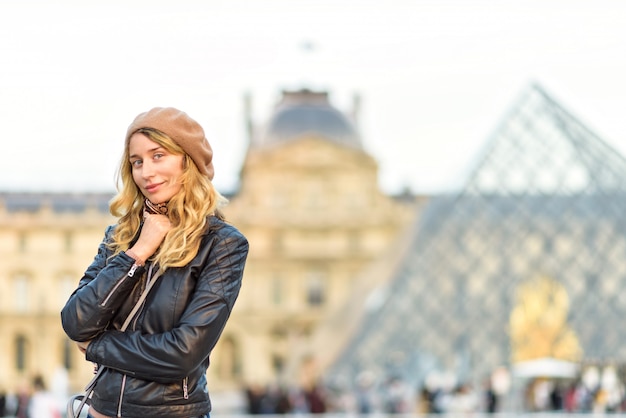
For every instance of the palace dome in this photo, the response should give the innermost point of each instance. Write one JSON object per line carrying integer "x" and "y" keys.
{"x": 309, "y": 113}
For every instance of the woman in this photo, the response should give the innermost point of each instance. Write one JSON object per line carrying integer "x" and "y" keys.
{"x": 168, "y": 222}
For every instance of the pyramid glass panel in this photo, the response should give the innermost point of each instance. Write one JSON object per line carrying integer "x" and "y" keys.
{"x": 527, "y": 261}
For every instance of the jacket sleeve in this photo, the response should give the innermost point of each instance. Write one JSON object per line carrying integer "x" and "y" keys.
{"x": 100, "y": 293}
{"x": 173, "y": 355}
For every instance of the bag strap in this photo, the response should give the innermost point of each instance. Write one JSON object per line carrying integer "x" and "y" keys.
{"x": 142, "y": 298}
{"x": 92, "y": 383}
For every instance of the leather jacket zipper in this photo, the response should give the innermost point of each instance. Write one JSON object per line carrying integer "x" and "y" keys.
{"x": 185, "y": 388}
{"x": 130, "y": 273}
{"x": 119, "y": 406}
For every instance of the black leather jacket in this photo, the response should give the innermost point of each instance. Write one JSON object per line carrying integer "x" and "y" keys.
{"x": 157, "y": 368}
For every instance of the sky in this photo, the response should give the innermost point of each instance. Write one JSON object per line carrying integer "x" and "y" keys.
{"x": 435, "y": 77}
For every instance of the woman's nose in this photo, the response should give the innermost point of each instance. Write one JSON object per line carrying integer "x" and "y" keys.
{"x": 147, "y": 169}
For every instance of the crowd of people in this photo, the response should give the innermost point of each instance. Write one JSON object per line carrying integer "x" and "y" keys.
{"x": 394, "y": 396}
{"x": 573, "y": 396}
{"x": 31, "y": 401}
{"x": 586, "y": 393}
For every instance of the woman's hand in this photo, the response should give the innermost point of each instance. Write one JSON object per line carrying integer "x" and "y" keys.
{"x": 155, "y": 227}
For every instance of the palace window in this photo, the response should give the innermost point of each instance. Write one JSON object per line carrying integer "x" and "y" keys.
{"x": 21, "y": 242}
{"x": 21, "y": 353}
{"x": 278, "y": 241}
{"x": 228, "y": 365}
{"x": 316, "y": 197}
{"x": 316, "y": 288}
{"x": 66, "y": 285}
{"x": 68, "y": 348}
{"x": 278, "y": 364}
{"x": 21, "y": 286}
{"x": 354, "y": 241}
{"x": 68, "y": 240}
{"x": 277, "y": 290}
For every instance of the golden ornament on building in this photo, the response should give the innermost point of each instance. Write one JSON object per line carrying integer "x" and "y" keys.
{"x": 538, "y": 323}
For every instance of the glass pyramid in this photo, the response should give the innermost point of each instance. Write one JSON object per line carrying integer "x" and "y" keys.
{"x": 528, "y": 261}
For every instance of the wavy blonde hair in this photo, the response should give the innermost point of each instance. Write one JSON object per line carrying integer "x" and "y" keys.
{"x": 187, "y": 210}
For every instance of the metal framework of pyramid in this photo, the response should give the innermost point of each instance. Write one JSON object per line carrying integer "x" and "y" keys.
{"x": 546, "y": 199}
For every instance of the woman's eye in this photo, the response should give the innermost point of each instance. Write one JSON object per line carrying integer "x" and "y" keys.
{"x": 158, "y": 156}
{"x": 136, "y": 163}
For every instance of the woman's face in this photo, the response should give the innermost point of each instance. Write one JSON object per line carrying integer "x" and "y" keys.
{"x": 156, "y": 171}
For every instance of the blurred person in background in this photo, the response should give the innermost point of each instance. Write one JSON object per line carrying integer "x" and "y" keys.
{"x": 3, "y": 403}
{"x": 42, "y": 403}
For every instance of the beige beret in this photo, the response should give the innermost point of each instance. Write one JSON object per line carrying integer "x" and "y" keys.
{"x": 183, "y": 130}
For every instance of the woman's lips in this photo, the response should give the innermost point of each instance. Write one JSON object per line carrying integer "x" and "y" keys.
{"x": 152, "y": 188}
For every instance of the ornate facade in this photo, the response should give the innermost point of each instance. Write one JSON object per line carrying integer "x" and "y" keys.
{"x": 310, "y": 206}
{"x": 46, "y": 242}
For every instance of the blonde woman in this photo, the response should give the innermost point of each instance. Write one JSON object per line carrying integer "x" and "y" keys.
{"x": 168, "y": 222}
